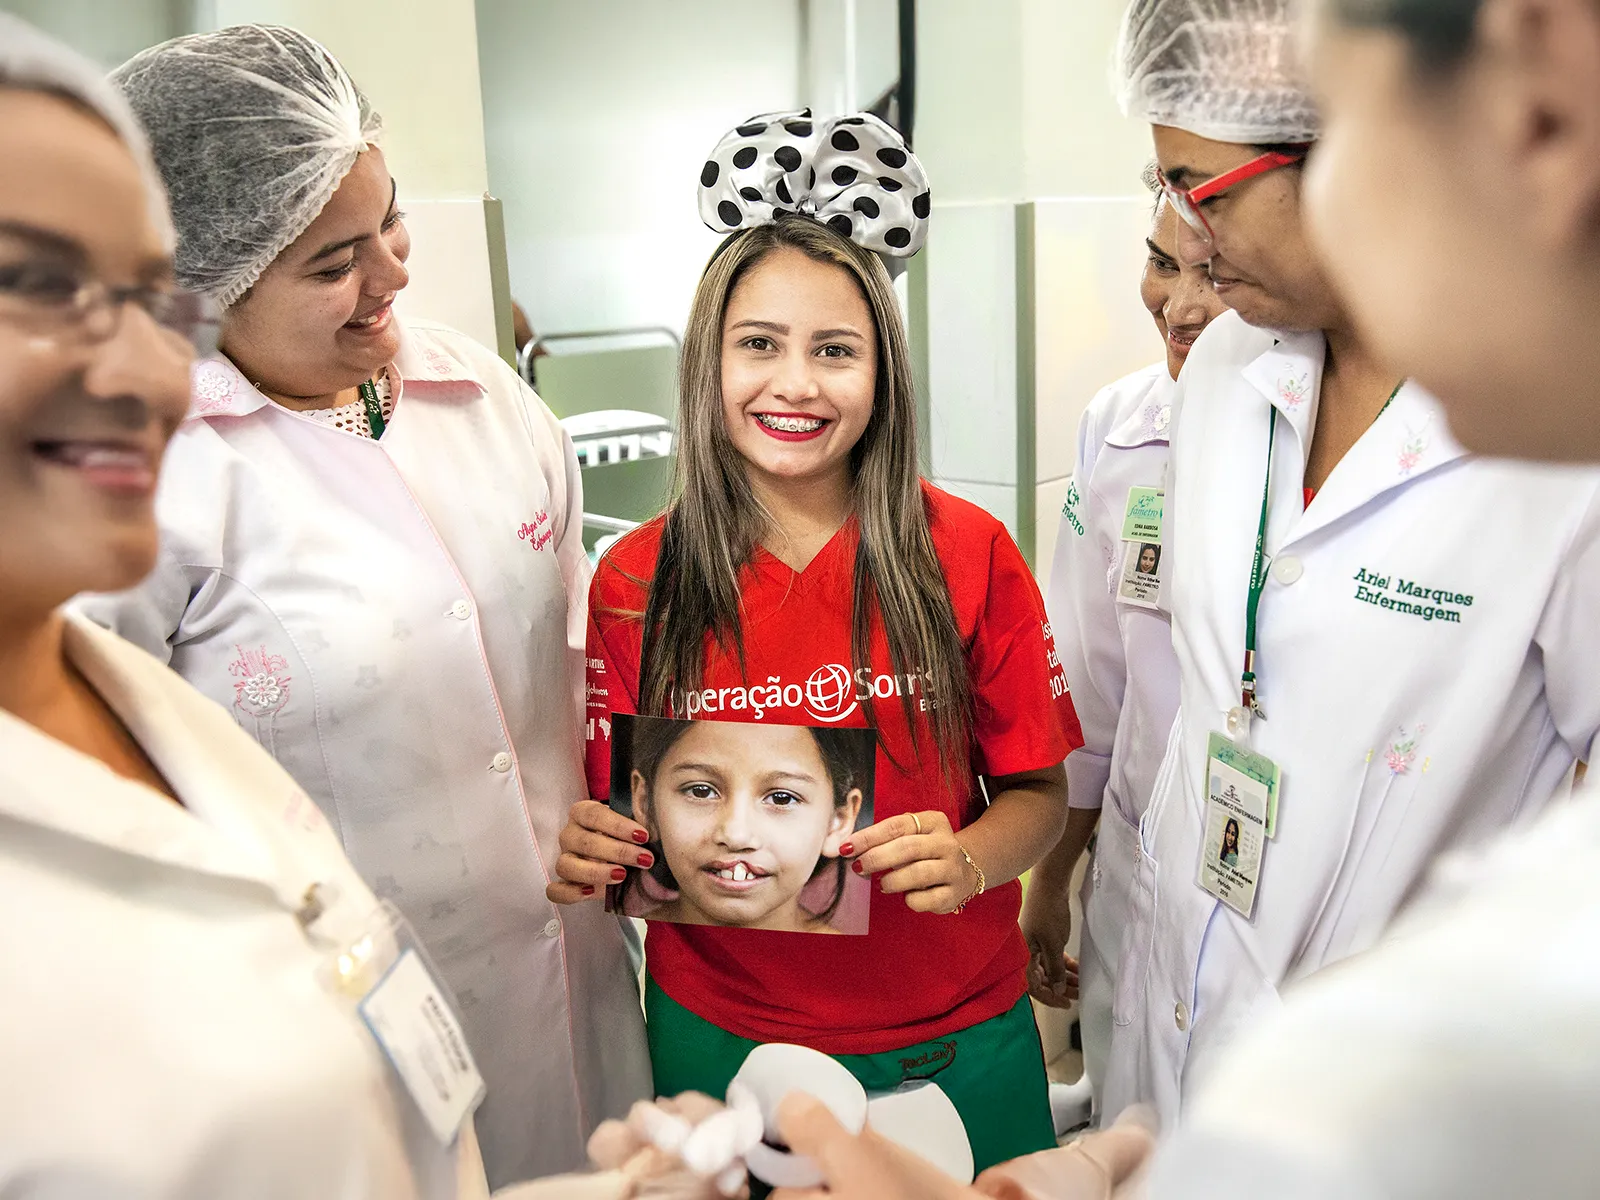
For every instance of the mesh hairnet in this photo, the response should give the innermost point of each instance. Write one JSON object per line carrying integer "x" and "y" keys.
{"x": 1223, "y": 69}
{"x": 32, "y": 61}
{"x": 253, "y": 127}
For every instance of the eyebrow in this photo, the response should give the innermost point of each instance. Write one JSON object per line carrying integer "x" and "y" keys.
{"x": 45, "y": 239}
{"x": 335, "y": 247}
{"x": 63, "y": 246}
{"x": 1183, "y": 178}
{"x": 1159, "y": 252}
{"x": 820, "y": 335}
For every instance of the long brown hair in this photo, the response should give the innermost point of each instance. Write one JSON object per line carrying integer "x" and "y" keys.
{"x": 713, "y": 527}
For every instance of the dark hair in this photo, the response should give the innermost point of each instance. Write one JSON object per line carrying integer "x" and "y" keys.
{"x": 1440, "y": 31}
{"x": 847, "y": 756}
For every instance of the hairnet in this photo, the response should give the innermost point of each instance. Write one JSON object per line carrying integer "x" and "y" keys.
{"x": 253, "y": 128}
{"x": 32, "y": 61}
{"x": 1223, "y": 69}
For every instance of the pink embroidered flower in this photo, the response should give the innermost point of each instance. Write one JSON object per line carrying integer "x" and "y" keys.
{"x": 260, "y": 682}
{"x": 1411, "y": 452}
{"x": 437, "y": 362}
{"x": 1294, "y": 390}
{"x": 213, "y": 385}
{"x": 1402, "y": 751}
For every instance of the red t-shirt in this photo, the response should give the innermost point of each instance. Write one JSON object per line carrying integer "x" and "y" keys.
{"x": 913, "y": 976}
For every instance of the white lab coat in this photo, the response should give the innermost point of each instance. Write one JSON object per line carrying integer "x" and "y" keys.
{"x": 167, "y": 1034}
{"x": 1460, "y": 1058}
{"x": 400, "y": 623}
{"x": 1400, "y": 737}
{"x": 1119, "y": 663}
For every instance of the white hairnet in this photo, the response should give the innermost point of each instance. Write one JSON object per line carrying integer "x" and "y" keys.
{"x": 32, "y": 61}
{"x": 1223, "y": 69}
{"x": 253, "y": 128}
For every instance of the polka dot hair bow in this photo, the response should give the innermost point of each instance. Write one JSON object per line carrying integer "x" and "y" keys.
{"x": 853, "y": 174}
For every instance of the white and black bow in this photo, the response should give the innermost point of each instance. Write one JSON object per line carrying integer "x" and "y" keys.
{"x": 854, "y": 174}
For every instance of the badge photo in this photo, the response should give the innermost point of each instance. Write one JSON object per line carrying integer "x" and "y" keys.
{"x": 1236, "y": 821}
{"x": 745, "y": 820}
{"x": 1141, "y": 574}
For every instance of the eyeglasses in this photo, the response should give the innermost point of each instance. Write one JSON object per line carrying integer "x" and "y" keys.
{"x": 55, "y": 300}
{"x": 1187, "y": 200}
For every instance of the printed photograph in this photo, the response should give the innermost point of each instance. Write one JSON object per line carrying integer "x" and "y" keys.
{"x": 746, "y": 820}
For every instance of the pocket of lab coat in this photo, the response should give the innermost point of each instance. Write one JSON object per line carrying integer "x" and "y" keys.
{"x": 1133, "y": 964}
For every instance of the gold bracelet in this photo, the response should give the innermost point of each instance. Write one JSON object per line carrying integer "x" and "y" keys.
{"x": 979, "y": 890}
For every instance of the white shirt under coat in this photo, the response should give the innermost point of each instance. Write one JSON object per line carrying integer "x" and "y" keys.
{"x": 168, "y": 1034}
{"x": 400, "y": 624}
{"x": 1119, "y": 664}
{"x": 1405, "y": 725}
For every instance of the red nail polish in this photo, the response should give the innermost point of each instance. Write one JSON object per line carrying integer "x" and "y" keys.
{"x": 640, "y": 836}
{"x": 847, "y": 849}
{"x": 856, "y": 866}
{"x": 646, "y": 860}
{"x": 588, "y": 889}
{"x": 618, "y": 874}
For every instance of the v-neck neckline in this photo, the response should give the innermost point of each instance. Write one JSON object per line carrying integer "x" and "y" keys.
{"x": 821, "y": 562}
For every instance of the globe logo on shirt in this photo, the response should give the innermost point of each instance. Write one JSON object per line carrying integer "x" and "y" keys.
{"x": 830, "y": 695}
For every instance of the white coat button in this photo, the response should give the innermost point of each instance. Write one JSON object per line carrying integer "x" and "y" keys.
{"x": 501, "y": 762}
{"x": 461, "y": 610}
{"x": 1180, "y": 1016}
{"x": 552, "y": 927}
{"x": 1288, "y": 569}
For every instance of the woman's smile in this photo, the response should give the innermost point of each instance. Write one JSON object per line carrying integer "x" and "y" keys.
{"x": 791, "y": 427}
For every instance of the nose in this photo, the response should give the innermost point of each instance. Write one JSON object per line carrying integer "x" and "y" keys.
{"x": 389, "y": 273}
{"x": 1194, "y": 247}
{"x": 142, "y": 362}
{"x": 794, "y": 378}
{"x": 736, "y": 824}
{"x": 1186, "y": 304}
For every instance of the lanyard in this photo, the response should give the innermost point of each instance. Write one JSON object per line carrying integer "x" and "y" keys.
{"x": 1258, "y": 584}
{"x": 1258, "y": 570}
{"x": 369, "y": 401}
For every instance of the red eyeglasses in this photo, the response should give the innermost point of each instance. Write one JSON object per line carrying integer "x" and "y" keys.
{"x": 1187, "y": 200}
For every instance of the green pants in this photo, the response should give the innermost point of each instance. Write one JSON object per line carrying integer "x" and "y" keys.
{"x": 992, "y": 1072}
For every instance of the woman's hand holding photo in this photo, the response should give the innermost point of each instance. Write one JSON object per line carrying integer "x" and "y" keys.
{"x": 918, "y": 855}
{"x": 598, "y": 847}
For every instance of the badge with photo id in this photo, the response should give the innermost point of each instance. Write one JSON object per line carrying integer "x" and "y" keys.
{"x": 1241, "y": 792}
{"x": 1139, "y": 572}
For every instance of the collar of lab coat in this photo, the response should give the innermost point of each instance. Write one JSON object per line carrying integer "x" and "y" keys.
{"x": 1147, "y": 423}
{"x": 425, "y": 366}
{"x": 1409, "y": 439}
{"x": 234, "y": 822}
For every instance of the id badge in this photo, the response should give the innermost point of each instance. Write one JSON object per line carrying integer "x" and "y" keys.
{"x": 1139, "y": 580}
{"x": 412, "y": 1016}
{"x": 1241, "y": 790}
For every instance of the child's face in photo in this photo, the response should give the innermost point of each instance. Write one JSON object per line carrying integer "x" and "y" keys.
{"x": 743, "y": 813}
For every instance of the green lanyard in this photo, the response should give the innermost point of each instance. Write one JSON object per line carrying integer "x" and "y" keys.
{"x": 1258, "y": 584}
{"x": 1258, "y": 570}
{"x": 369, "y": 401}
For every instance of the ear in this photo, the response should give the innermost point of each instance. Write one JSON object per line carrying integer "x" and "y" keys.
{"x": 641, "y": 799}
{"x": 843, "y": 823}
{"x": 1540, "y": 91}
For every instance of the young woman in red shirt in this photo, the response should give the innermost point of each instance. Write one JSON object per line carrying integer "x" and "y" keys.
{"x": 806, "y": 575}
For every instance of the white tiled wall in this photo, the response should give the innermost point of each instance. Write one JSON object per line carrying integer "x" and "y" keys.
{"x": 449, "y": 265}
{"x": 1090, "y": 329}
{"x": 972, "y": 350}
